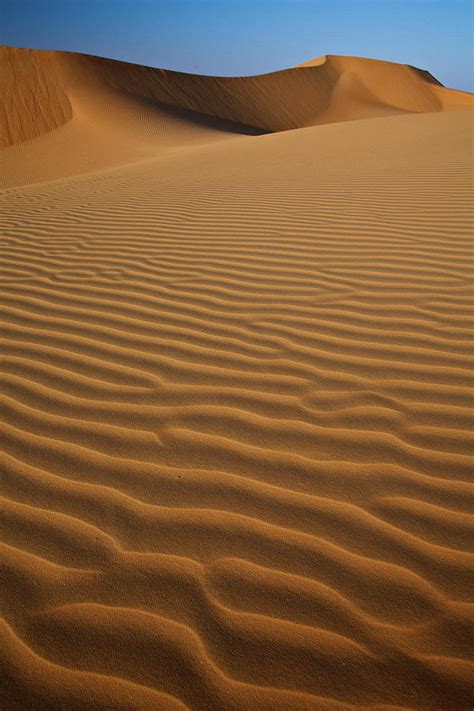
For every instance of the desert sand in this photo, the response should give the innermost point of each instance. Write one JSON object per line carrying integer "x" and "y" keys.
{"x": 236, "y": 388}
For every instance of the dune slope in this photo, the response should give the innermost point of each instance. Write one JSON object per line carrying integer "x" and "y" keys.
{"x": 237, "y": 410}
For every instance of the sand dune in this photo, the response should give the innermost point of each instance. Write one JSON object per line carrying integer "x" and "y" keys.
{"x": 236, "y": 388}
{"x": 92, "y": 113}
{"x": 48, "y": 85}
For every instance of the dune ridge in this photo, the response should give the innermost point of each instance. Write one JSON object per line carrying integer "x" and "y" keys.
{"x": 236, "y": 389}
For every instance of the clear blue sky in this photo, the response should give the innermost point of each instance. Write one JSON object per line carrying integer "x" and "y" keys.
{"x": 237, "y": 37}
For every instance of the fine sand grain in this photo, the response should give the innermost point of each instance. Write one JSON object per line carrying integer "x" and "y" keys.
{"x": 236, "y": 388}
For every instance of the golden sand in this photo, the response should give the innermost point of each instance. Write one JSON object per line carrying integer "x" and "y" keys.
{"x": 236, "y": 388}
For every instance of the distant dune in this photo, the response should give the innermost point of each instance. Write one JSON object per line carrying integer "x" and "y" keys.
{"x": 45, "y": 87}
{"x": 236, "y": 388}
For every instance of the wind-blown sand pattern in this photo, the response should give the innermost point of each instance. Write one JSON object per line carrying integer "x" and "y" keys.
{"x": 237, "y": 428}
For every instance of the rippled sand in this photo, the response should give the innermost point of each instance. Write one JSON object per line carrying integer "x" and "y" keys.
{"x": 236, "y": 389}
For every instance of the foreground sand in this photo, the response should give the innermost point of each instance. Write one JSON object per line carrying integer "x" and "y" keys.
{"x": 237, "y": 425}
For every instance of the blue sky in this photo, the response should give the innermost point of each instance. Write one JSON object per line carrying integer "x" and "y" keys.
{"x": 238, "y": 37}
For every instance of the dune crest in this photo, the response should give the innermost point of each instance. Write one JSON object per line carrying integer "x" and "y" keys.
{"x": 236, "y": 389}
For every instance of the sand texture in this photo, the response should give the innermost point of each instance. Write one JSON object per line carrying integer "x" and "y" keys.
{"x": 236, "y": 388}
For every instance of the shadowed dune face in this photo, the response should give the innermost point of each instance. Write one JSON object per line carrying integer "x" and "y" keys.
{"x": 34, "y": 96}
{"x": 236, "y": 390}
{"x": 40, "y": 87}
